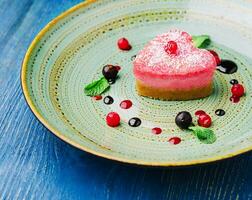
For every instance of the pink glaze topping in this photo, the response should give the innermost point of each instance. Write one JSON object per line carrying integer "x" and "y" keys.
{"x": 189, "y": 67}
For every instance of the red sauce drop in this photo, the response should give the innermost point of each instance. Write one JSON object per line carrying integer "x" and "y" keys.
{"x": 235, "y": 99}
{"x": 199, "y": 112}
{"x": 216, "y": 56}
{"x": 126, "y": 104}
{"x": 156, "y": 131}
{"x": 97, "y": 98}
{"x": 174, "y": 140}
{"x": 118, "y": 68}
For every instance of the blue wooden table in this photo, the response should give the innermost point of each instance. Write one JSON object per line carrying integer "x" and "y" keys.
{"x": 34, "y": 164}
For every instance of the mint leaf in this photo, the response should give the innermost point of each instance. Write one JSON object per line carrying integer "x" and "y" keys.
{"x": 96, "y": 87}
{"x": 205, "y": 135}
{"x": 201, "y": 41}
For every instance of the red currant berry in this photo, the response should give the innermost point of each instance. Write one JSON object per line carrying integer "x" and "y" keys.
{"x": 123, "y": 44}
{"x": 171, "y": 47}
{"x": 199, "y": 112}
{"x": 237, "y": 90}
{"x": 216, "y": 56}
{"x": 113, "y": 119}
{"x": 205, "y": 120}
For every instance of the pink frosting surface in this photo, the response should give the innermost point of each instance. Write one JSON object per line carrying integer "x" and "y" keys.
{"x": 190, "y": 67}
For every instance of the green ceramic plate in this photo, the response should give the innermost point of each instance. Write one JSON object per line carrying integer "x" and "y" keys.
{"x": 72, "y": 49}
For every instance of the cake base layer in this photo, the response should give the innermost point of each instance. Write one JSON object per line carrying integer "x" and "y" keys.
{"x": 168, "y": 94}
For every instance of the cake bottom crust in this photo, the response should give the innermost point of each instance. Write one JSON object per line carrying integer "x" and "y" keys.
{"x": 171, "y": 94}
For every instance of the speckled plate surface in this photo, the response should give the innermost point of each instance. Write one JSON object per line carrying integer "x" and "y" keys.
{"x": 71, "y": 51}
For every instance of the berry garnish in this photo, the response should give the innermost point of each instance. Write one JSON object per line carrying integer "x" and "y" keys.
{"x": 233, "y": 82}
{"x": 171, "y": 47}
{"x": 110, "y": 72}
{"x": 113, "y": 119}
{"x": 235, "y": 99}
{"x": 237, "y": 90}
{"x": 97, "y": 98}
{"x": 126, "y": 104}
{"x": 174, "y": 140}
{"x": 216, "y": 56}
{"x": 156, "y": 131}
{"x": 123, "y": 44}
{"x": 205, "y": 120}
{"x": 183, "y": 119}
{"x": 118, "y": 68}
{"x": 199, "y": 112}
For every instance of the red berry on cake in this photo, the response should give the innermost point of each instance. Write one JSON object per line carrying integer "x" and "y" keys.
{"x": 171, "y": 47}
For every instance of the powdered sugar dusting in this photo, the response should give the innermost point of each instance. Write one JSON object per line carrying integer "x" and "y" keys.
{"x": 154, "y": 59}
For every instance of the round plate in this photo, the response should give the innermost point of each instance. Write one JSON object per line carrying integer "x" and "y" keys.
{"x": 72, "y": 49}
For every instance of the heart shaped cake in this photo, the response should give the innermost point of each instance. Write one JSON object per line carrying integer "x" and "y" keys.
{"x": 170, "y": 67}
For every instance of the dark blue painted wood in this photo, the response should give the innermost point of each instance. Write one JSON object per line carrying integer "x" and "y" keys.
{"x": 34, "y": 164}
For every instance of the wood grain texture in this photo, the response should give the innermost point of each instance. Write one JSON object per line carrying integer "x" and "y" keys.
{"x": 34, "y": 164}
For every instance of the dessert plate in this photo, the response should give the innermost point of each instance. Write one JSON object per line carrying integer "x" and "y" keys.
{"x": 71, "y": 50}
